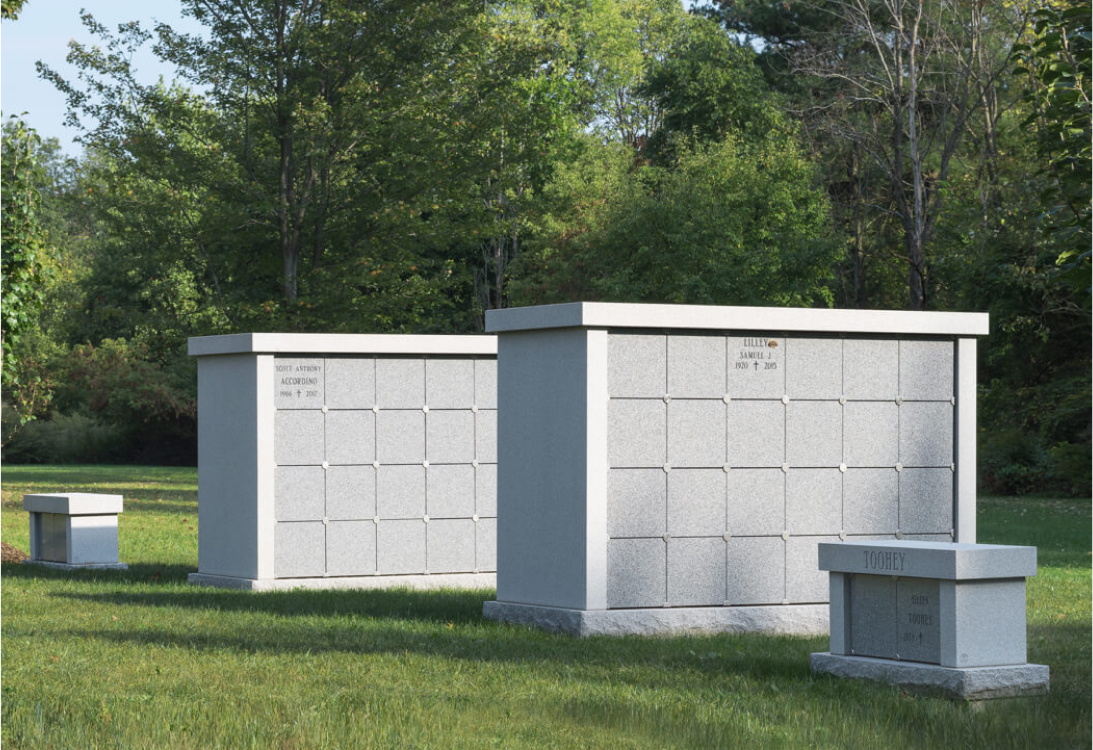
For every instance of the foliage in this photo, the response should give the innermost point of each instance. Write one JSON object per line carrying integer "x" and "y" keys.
{"x": 31, "y": 398}
{"x": 894, "y": 87}
{"x": 729, "y": 223}
{"x": 709, "y": 87}
{"x": 118, "y": 380}
{"x": 24, "y": 265}
{"x": 68, "y": 439}
{"x": 1034, "y": 367}
{"x": 620, "y": 41}
{"x": 316, "y": 183}
{"x": 1058, "y": 60}
{"x": 399, "y": 166}
{"x": 10, "y": 9}
{"x": 115, "y": 401}
{"x": 154, "y": 404}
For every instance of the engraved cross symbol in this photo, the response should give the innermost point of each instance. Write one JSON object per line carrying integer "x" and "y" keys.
{"x": 298, "y": 394}
{"x": 756, "y": 365}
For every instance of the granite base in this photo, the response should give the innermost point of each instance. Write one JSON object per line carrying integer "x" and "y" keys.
{"x": 789, "y": 619}
{"x": 419, "y": 582}
{"x": 971, "y": 683}
{"x": 84, "y": 566}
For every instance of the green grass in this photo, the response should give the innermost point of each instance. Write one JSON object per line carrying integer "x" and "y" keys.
{"x": 139, "y": 659}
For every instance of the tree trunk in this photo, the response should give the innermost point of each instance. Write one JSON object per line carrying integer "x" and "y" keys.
{"x": 916, "y": 283}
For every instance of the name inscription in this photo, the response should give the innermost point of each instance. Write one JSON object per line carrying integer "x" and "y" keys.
{"x": 919, "y": 620}
{"x": 883, "y": 560}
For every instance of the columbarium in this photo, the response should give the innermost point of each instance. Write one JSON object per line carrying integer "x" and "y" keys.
{"x": 667, "y": 468}
{"x": 346, "y": 460}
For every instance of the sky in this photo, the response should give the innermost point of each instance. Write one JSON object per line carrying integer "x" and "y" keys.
{"x": 43, "y": 31}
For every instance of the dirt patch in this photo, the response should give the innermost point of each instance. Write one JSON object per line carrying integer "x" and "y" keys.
{"x": 11, "y": 555}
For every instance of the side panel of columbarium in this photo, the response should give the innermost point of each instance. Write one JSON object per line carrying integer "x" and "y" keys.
{"x": 346, "y": 461}
{"x": 712, "y": 450}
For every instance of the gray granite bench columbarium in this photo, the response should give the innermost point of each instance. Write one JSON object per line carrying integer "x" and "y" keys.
{"x": 929, "y": 616}
{"x": 346, "y": 460}
{"x": 74, "y": 530}
{"x": 667, "y": 468}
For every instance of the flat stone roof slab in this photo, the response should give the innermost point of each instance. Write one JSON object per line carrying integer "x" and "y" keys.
{"x": 74, "y": 503}
{"x": 613, "y": 315}
{"x": 942, "y": 560}
{"x": 340, "y": 343}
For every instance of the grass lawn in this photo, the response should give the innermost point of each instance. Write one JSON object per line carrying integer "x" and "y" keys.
{"x": 140, "y": 659}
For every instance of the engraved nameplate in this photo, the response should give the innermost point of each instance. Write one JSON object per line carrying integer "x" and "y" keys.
{"x": 894, "y": 618}
{"x": 298, "y": 383}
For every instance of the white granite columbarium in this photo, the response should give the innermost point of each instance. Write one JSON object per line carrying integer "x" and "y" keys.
{"x": 74, "y": 530}
{"x": 346, "y": 460}
{"x": 930, "y": 616}
{"x": 667, "y": 468}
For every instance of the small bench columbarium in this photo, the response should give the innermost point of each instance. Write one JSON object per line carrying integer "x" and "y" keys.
{"x": 672, "y": 468}
{"x": 346, "y": 460}
{"x": 948, "y": 618}
{"x": 74, "y": 530}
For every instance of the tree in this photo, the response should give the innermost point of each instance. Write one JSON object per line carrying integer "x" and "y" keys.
{"x": 10, "y": 9}
{"x": 900, "y": 83}
{"x": 534, "y": 118}
{"x": 713, "y": 204}
{"x": 708, "y": 86}
{"x": 333, "y": 132}
{"x": 727, "y": 223}
{"x": 903, "y": 78}
{"x": 619, "y": 41}
{"x": 24, "y": 265}
{"x": 1058, "y": 62}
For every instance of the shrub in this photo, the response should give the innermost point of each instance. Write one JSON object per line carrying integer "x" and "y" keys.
{"x": 73, "y": 439}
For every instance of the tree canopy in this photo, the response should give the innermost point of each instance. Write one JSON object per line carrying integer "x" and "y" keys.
{"x": 405, "y": 165}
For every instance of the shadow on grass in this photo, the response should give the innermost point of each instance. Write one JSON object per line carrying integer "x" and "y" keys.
{"x": 638, "y": 660}
{"x": 445, "y": 623}
{"x": 441, "y": 606}
{"x": 137, "y": 573}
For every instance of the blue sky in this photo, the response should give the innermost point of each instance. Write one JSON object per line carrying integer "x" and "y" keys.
{"x": 42, "y": 33}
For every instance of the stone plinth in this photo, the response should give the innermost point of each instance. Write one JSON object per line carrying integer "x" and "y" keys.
{"x": 667, "y": 467}
{"x": 329, "y": 460}
{"x": 74, "y": 530}
{"x": 932, "y": 616}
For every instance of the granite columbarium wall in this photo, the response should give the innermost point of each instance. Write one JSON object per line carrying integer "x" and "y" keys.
{"x": 667, "y": 468}
{"x": 345, "y": 460}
